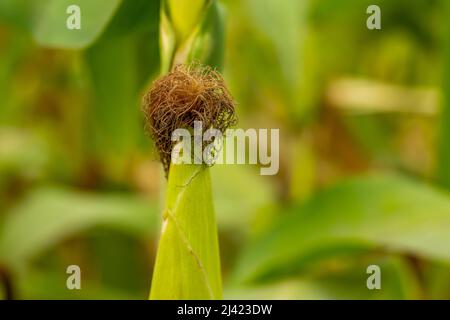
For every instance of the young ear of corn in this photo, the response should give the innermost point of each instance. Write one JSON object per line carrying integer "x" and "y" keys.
{"x": 187, "y": 263}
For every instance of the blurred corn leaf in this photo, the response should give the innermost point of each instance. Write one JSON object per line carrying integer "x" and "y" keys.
{"x": 444, "y": 144}
{"x": 384, "y": 212}
{"x": 282, "y": 22}
{"x": 437, "y": 278}
{"x": 22, "y": 152}
{"x": 135, "y": 15}
{"x": 185, "y": 16}
{"x": 253, "y": 192}
{"x": 114, "y": 117}
{"x": 49, "y": 215}
{"x": 274, "y": 57}
{"x": 51, "y": 17}
{"x": 120, "y": 63}
{"x": 51, "y": 285}
{"x": 209, "y": 45}
{"x": 121, "y": 261}
{"x": 187, "y": 263}
{"x": 341, "y": 281}
{"x": 15, "y": 12}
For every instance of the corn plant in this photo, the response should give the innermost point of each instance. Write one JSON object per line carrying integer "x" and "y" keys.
{"x": 187, "y": 264}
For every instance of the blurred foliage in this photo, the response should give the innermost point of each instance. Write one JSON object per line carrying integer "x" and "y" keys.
{"x": 80, "y": 184}
{"x": 385, "y": 212}
{"x": 444, "y": 150}
{"x": 66, "y": 213}
{"x": 49, "y": 22}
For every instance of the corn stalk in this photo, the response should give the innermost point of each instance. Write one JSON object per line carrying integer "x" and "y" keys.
{"x": 188, "y": 264}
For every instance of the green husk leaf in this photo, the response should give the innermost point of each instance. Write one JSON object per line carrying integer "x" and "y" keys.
{"x": 187, "y": 263}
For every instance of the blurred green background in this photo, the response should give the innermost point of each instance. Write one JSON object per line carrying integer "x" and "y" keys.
{"x": 364, "y": 149}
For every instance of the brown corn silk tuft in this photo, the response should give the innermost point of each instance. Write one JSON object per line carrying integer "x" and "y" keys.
{"x": 186, "y": 94}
